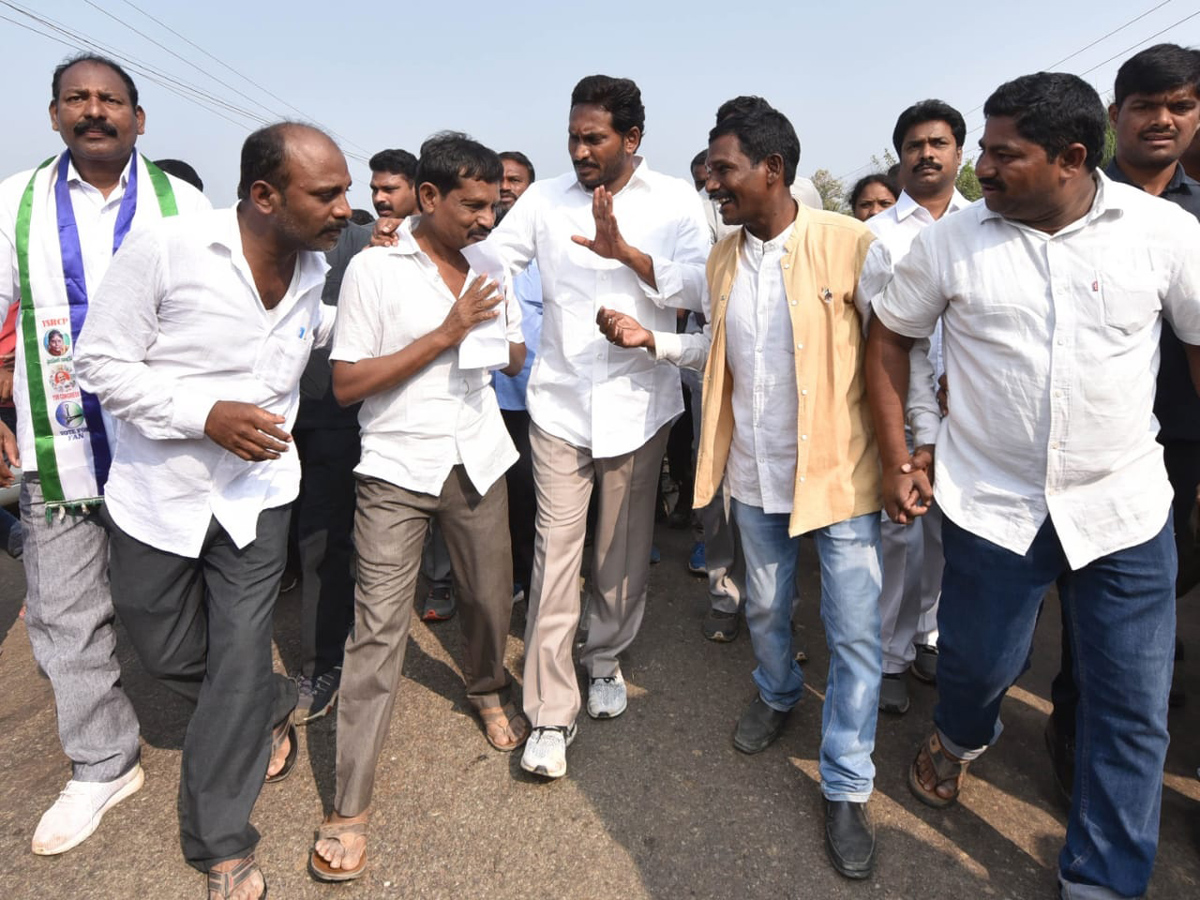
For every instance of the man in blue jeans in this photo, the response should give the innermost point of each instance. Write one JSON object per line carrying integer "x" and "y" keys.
{"x": 787, "y": 426}
{"x": 1052, "y": 295}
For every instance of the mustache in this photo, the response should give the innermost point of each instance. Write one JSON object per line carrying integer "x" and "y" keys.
{"x": 1157, "y": 132}
{"x": 90, "y": 124}
{"x": 927, "y": 164}
{"x": 992, "y": 184}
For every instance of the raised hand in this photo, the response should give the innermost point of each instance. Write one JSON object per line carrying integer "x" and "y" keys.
{"x": 608, "y": 241}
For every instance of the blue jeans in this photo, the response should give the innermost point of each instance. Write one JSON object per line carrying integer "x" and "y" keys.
{"x": 1120, "y": 614}
{"x": 850, "y": 580}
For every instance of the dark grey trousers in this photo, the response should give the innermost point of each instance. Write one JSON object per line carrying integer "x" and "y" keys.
{"x": 203, "y": 628}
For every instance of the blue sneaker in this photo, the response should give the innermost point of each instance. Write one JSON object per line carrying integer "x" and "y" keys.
{"x": 655, "y": 556}
{"x": 696, "y": 561}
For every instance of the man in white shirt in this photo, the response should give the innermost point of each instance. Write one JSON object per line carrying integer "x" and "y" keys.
{"x": 928, "y": 138}
{"x": 434, "y": 448}
{"x": 1052, "y": 294}
{"x": 59, "y": 228}
{"x": 197, "y": 340}
{"x": 599, "y": 413}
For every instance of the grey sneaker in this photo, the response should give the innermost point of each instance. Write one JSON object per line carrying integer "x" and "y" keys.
{"x": 893, "y": 694}
{"x": 439, "y": 604}
{"x": 546, "y": 750}
{"x": 924, "y": 666}
{"x": 606, "y": 697}
{"x": 721, "y": 627}
{"x": 317, "y": 696}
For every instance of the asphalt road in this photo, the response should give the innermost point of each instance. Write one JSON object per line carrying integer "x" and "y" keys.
{"x": 657, "y": 804}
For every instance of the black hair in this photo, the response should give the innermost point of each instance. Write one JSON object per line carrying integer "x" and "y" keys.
{"x": 893, "y": 174}
{"x": 620, "y": 96}
{"x": 1054, "y": 110}
{"x": 699, "y": 159}
{"x": 866, "y": 181}
{"x": 1157, "y": 69}
{"x": 741, "y": 105}
{"x": 448, "y": 157}
{"x": 182, "y": 171}
{"x": 520, "y": 159}
{"x": 395, "y": 162}
{"x": 929, "y": 111}
{"x": 361, "y": 217}
{"x": 60, "y": 70}
{"x": 264, "y": 156}
{"x": 760, "y": 133}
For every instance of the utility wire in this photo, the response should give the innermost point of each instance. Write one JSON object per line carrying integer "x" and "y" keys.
{"x": 1071, "y": 56}
{"x": 225, "y": 65}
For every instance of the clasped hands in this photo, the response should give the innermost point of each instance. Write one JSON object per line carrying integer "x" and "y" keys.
{"x": 908, "y": 486}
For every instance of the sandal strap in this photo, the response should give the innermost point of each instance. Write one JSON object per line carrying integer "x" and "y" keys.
{"x": 944, "y": 768}
{"x": 334, "y": 830}
{"x": 225, "y": 883}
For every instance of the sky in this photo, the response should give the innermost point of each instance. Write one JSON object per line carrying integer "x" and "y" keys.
{"x": 389, "y": 75}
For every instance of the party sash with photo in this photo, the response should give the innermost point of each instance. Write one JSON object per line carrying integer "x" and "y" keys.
{"x": 72, "y": 450}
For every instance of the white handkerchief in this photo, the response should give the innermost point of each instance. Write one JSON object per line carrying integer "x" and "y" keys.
{"x": 486, "y": 345}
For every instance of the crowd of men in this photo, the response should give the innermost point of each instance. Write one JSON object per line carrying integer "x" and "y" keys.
{"x": 469, "y": 387}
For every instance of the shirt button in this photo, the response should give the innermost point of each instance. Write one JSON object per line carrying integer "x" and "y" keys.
{"x": 804, "y": 393}
{"x": 1054, "y": 446}
{"x": 804, "y": 437}
{"x": 801, "y": 478}
{"x": 787, "y": 265}
{"x": 799, "y": 346}
{"x": 793, "y": 302}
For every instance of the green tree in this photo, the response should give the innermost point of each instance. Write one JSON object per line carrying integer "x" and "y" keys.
{"x": 831, "y": 189}
{"x": 1110, "y": 143}
{"x": 967, "y": 181}
{"x": 885, "y": 162}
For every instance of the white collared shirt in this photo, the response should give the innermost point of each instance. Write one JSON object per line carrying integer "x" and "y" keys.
{"x": 176, "y": 325}
{"x": 584, "y": 390}
{"x": 1051, "y": 347}
{"x": 415, "y": 433}
{"x": 896, "y": 228}
{"x": 762, "y": 458}
{"x": 95, "y": 220}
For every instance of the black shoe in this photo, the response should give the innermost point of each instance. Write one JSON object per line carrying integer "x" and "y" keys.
{"x": 758, "y": 726}
{"x": 1062, "y": 755}
{"x": 317, "y": 696}
{"x": 849, "y": 838}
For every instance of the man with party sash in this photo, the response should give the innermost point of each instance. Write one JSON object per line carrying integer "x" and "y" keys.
{"x": 59, "y": 227}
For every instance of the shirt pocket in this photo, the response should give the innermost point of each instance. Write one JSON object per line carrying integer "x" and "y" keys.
{"x": 282, "y": 359}
{"x": 1130, "y": 302}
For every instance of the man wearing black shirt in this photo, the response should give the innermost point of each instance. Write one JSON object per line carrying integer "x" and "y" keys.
{"x": 1156, "y": 114}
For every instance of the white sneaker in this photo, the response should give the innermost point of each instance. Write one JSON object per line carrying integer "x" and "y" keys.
{"x": 606, "y": 697}
{"x": 546, "y": 751}
{"x": 78, "y": 810}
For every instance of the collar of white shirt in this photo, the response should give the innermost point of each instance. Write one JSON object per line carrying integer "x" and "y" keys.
{"x": 222, "y": 230}
{"x": 1105, "y": 202}
{"x": 906, "y": 205}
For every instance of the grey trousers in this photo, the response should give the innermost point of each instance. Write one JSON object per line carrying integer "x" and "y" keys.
{"x": 389, "y": 533}
{"x": 564, "y": 475}
{"x": 203, "y": 628}
{"x": 69, "y": 617}
{"x": 912, "y": 584}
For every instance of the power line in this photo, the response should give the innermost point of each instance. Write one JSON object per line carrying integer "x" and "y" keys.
{"x": 225, "y": 65}
{"x": 1070, "y": 56}
{"x": 197, "y": 95}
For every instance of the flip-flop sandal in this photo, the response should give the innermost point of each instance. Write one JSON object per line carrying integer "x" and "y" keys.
{"x": 278, "y": 736}
{"x": 223, "y": 884}
{"x": 333, "y": 831}
{"x": 945, "y": 769}
{"x": 504, "y": 727}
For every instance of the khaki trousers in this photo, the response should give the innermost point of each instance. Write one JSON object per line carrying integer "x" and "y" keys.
{"x": 389, "y": 532}
{"x": 563, "y": 477}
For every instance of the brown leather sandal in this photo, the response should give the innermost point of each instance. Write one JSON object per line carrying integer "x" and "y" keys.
{"x": 504, "y": 727}
{"x": 333, "y": 831}
{"x": 285, "y": 731}
{"x": 223, "y": 884}
{"x": 946, "y": 770}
